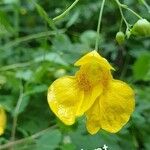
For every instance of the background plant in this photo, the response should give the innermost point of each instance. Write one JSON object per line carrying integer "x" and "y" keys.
{"x": 34, "y": 51}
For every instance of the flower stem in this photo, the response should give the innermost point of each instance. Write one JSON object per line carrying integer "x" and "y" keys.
{"x": 120, "y": 28}
{"x": 15, "y": 119}
{"x": 66, "y": 11}
{"x": 126, "y": 7}
{"x": 14, "y": 66}
{"x": 146, "y": 5}
{"x": 122, "y": 15}
{"x": 24, "y": 140}
{"x": 99, "y": 24}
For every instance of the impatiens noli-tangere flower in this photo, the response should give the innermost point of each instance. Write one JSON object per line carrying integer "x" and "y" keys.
{"x": 107, "y": 103}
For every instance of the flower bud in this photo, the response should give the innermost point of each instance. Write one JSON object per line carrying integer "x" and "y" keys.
{"x": 120, "y": 37}
{"x": 141, "y": 28}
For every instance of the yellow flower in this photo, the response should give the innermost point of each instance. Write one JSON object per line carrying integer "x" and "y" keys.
{"x": 2, "y": 120}
{"x": 107, "y": 103}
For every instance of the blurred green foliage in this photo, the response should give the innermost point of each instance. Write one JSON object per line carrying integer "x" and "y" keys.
{"x": 34, "y": 52}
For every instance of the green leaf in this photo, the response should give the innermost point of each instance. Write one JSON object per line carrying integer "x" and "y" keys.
{"x": 5, "y": 27}
{"x": 24, "y": 104}
{"x": 10, "y": 1}
{"x": 3, "y": 80}
{"x": 73, "y": 19}
{"x": 51, "y": 57}
{"x": 81, "y": 139}
{"x": 141, "y": 68}
{"x": 88, "y": 37}
{"x": 25, "y": 75}
{"x": 69, "y": 146}
{"x": 49, "y": 141}
{"x": 7, "y": 102}
{"x": 36, "y": 89}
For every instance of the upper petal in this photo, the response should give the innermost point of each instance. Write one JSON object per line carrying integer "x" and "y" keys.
{"x": 116, "y": 105}
{"x": 90, "y": 75}
{"x": 93, "y": 57}
{"x": 64, "y": 97}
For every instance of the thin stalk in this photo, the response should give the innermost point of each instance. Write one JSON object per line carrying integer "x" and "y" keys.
{"x": 120, "y": 27}
{"x": 122, "y": 15}
{"x": 66, "y": 11}
{"x": 124, "y": 6}
{"x": 30, "y": 37}
{"x": 146, "y": 5}
{"x": 24, "y": 140}
{"x": 15, "y": 119}
{"x": 99, "y": 24}
{"x": 14, "y": 66}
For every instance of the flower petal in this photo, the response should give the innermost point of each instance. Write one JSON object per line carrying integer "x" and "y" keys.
{"x": 89, "y": 98}
{"x": 93, "y": 118}
{"x": 3, "y": 120}
{"x": 94, "y": 57}
{"x": 63, "y": 98}
{"x": 116, "y": 106}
